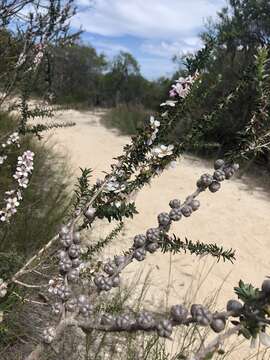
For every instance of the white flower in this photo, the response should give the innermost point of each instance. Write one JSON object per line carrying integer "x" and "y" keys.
{"x": 23, "y": 182}
{"x": 118, "y": 204}
{"x": 154, "y": 123}
{"x": 149, "y": 156}
{"x": 169, "y": 103}
{"x": 2, "y": 159}
{"x": 19, "y": 195}
{"x": 162, "y": 151}
{"x": 3, "y": 216}
{"x": 3, "y": 288}
{"x": 12, "y": 203}
{"x": 152, "y": 137}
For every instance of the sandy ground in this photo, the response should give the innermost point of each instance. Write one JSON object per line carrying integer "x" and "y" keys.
{"x": 236, "y": 217}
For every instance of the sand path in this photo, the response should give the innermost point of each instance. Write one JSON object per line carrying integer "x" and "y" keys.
{"x": 236, "y": 217}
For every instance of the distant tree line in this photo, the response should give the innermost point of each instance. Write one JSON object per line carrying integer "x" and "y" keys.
{"x": 229, "y": 91}
{"x": 78, "y": 74}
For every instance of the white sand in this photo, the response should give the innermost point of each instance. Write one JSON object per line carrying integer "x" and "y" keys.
{"x": 236, "y": 217}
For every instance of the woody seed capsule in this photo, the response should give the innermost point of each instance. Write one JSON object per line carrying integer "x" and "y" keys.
{"x": 165, "y": 328}
{"x": 174, "y": 204}
{"x": 219, "y": 164}
{"x": 179, "y": 313}
{"x": 139, "y": 240}
{"x": 186, "y": 210}
{"x": 218, "y": 325}
{"x": 214, "y": 187}
{"x": 164, "y": 219}
{"x": 175, "y": 214}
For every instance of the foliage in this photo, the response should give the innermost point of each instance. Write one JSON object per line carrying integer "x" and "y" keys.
{"x": 175, "y": 245}
{"x": 127, "y": 118}
{"x": 231, "y": 62}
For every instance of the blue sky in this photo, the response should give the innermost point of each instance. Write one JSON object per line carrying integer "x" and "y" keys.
{"x": 152, "y": 30}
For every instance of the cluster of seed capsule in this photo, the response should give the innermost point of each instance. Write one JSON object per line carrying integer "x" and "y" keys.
{"x": 179, "y": 315}
{"x": 150, "y": 241}
{"x": 69, "y": 264}
{"x": 69, "y": 270}
{"x": 222, "y": 171}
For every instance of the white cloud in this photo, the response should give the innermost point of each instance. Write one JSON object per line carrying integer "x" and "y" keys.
{"x": 168, "y": 49}
{"x": 154, "y": 30}
{"x": 107, "y": 46}
{"x": 150, "y": 19}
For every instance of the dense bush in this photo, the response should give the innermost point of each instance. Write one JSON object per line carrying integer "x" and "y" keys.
{"x": 44, "y": 206}
{"x": 127, "y": 118}
{"x": 231, "y": 77}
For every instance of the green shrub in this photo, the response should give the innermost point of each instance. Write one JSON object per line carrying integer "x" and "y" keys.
{"x": 43, "y": 207}
{"x": 44, "y": 203}
{"x": 126, "y": 118}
